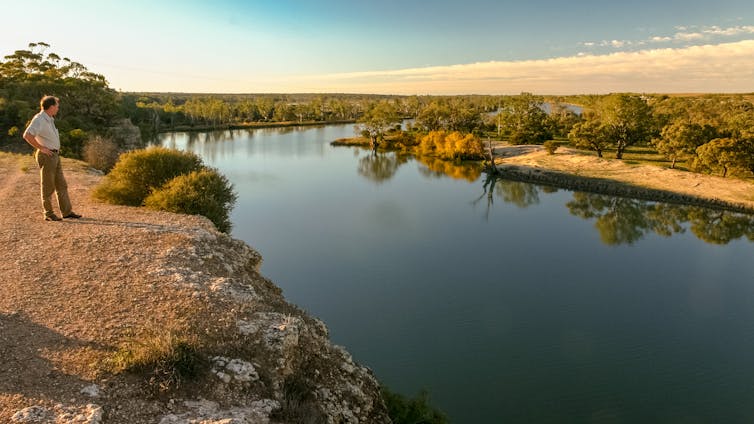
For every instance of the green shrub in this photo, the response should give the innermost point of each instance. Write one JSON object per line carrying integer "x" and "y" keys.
{"x": 100, "y": 153}
{"x": 404, "y": 410}
{"x": 139, "y": 172}
{"x": 551, "y": 146}
{"x": 205, "y": 192}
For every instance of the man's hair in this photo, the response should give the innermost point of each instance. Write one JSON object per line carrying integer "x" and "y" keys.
{"x": 48, "y": 101}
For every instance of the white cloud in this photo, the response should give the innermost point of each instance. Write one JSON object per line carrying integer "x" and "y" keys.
{"x": 729, "y": 32}
{"x": 725, "y": 67}
{"x": 704, "y": 33}
{"x": 688, "y": 36}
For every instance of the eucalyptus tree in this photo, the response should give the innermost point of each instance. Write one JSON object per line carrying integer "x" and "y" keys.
{"x": 377, "y": 120}
{"x": 436, "y": 115}
{"x": 722, "y": 154}
{"x": 627, "y": 119}
{"x": 524, "y": 120}
{"x": 680, "y": 139}
{"x": 590, "y": 134}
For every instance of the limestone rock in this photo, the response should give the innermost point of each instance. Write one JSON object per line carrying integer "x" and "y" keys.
{"x": 203, "y": 411}
{"x": 32, "y": 414}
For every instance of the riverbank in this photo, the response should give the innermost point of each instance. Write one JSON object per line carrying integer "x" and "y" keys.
{"x": 135, "y": 316}
{"x": 578, "y": 170}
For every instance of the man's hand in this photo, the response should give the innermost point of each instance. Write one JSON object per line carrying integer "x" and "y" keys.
{"x": 37, "y": 145}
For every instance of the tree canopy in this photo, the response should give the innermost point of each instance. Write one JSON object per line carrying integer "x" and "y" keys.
{"x": 88, "y": 105}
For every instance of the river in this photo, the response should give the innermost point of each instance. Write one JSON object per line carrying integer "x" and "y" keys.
{"x": 533, "y": 305}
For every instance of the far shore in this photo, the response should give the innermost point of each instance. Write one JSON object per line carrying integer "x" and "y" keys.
{"x": 577, "y": 170}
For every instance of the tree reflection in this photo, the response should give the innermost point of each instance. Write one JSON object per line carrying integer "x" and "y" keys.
{"x": 488, "y": 189}
{"x": 520, "y": 194}
{"x": 380, "y": 167}
{"x": 624, "y": 221}
{"x": 618, "y": 220}
{"x": 720, "y": 227}
{"x": 438, "y": 168}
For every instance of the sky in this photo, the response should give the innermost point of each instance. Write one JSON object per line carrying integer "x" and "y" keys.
{"x": 397, "y": 47}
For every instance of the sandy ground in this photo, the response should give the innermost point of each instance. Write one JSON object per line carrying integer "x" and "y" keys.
{"x": 571, "y": 161}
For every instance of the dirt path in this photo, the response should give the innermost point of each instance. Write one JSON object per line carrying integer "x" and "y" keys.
{"x": 572, "y": 162}
{"x": 71, "y": 291}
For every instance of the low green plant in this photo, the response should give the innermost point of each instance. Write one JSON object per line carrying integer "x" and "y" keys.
{"x": 417, "y": 410}
{"x": 139, "y": 172}
{"x": 204, "y": 192}
{"x": 165, "y": 359}
{"x": 551, "y": 146}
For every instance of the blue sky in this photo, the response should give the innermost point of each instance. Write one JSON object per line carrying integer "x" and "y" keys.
{"x": 402, "y": 47}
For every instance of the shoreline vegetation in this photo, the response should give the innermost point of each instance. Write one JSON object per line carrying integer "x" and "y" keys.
{"x": 579, "y": 170}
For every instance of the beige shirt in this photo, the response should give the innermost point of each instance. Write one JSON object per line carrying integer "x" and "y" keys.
{"x": 42, "y": 127}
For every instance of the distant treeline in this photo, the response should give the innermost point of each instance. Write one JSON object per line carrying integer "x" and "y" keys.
{"x": 712, "y": 133}
{"x": 166, "y": 111}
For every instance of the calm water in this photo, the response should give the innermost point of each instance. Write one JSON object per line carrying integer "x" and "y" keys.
{"x": 532, "y": 306}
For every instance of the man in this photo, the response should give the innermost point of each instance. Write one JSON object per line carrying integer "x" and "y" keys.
{"x": 43, "y": 136}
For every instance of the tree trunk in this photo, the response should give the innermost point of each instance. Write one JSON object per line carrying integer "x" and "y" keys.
{"x": 672, "y": 165}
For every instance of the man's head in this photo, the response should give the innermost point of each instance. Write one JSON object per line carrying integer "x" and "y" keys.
{"x": 49, "y": 104}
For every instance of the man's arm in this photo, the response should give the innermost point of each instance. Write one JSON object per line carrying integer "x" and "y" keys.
{"x": 35, "y": 144}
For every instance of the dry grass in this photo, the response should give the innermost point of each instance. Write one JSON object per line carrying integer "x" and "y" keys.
{"x": 165, "y": 358}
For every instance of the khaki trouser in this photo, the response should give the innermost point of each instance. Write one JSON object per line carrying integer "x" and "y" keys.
{"x": 52, "y": 180}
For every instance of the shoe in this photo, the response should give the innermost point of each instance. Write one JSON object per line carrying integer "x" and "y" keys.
{"x": 52, "y": 217}
{"x": 72, "y": 215}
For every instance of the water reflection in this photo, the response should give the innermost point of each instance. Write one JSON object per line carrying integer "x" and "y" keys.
{"x": 380, "y": 167}
{"x": 621, "y": 220}
{"x": 520, "y": 194}
{"x": 618, "y": 220}
{"x": 625, "y": 221}
{"x": 438, "y": 168}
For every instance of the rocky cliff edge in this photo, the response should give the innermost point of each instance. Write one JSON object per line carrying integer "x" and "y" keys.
{"x": 78, "y": 297}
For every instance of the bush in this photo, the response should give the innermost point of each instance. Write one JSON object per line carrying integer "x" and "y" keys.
{"x": 205, "y": 192}
{"x": 139, "y": 172}
{"x": 101, "y": 153}
{"x": 551, "y": 146}
{"x": 452, "y": 145}
{"x": 403, "y": 410}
